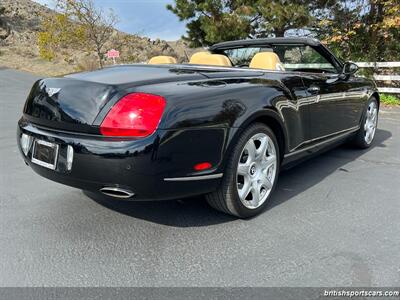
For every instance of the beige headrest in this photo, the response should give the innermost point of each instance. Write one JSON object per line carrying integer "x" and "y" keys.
{"x": 267, "y": 61}
{"x": 157, "y": 60}
{"x": 205, "y": 58}
{"x": 198, "y": 56}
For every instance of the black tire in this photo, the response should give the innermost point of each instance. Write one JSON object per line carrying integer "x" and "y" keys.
{"x": 359, "y": 140}
{"x": 226, "y": 198}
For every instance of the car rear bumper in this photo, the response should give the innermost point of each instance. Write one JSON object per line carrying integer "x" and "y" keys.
{"x": 158, "y": 167}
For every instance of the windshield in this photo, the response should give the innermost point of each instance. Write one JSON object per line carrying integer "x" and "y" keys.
{"x": 293, "y": 57}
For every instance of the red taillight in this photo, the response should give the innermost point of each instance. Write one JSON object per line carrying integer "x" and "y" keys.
{"x": 135, "y": 115}
{"x": 202, "y": 166}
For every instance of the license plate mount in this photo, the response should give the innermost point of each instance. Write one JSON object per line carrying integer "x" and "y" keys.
{"x": 45, "y": 154}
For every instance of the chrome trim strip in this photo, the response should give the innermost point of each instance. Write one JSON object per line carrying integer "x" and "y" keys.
{"x": 328, "y": 135}
{"x": 190, "y": 178}
{"x": 70, "y": 157}
{"x": 340, "y": 135}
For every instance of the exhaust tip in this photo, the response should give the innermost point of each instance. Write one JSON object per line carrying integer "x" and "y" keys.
{"x": 117, "y": 192}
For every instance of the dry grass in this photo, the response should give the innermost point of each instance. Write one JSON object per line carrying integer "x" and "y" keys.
{"x": 87, "y": 63}
{"x": 23, "y": 61}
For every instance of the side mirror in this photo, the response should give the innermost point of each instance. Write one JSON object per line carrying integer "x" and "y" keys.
{"x": 349, "y": 68}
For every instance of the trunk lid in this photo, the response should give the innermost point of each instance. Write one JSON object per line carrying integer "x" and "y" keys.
{"x": 138, "y": 74}
{"x": 67, "y": 104}
{"x": 73, "y": 102}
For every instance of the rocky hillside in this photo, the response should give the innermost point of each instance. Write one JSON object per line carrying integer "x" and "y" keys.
{"x": 20, "y": 23}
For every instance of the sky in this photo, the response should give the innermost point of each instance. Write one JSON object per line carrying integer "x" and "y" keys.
{"x": 148, "y": 18}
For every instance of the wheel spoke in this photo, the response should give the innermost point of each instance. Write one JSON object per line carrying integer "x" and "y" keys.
{"x": 263, "y": 147}
{"x": 243, "y": 169}
{"x": 255, "y": 191}
{"x": 373, "y": 133}
{"x": 245, "y": 190}
{"x": 266, "y": 183}
{"x": 251, "y": 150}
{"x": 374, "y": 114}
{"x": 370, "y": 135}
{"x": 268, "y": 162}
{"x": 371, "y": 110}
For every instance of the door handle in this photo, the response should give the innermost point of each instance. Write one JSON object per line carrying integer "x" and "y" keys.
{"x": 313, "y": 90}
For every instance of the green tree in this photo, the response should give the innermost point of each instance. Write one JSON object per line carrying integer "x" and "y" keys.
{"x": 212, "y": 21}
{"x": 357, "y": 29}
{"x": 363, "y": 29}
{"x": 277, "y": 17}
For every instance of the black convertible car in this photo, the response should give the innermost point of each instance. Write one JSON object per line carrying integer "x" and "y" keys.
{"x": 223, "y": 124}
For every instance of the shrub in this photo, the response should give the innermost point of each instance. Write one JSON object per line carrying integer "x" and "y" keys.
{"x": 390, "y": 99}
{"x": 45, "y": 49}
{"x": 88, "y": 63}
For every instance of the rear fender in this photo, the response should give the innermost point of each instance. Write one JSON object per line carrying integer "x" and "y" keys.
{"x": 268, "y": 117}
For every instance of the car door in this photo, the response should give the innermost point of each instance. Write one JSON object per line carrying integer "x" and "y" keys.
{"x": 295, "y": 111}
{"x": 333, "y": 104}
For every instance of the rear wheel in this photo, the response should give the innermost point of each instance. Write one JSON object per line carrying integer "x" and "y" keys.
{"x": 366, "y": 133}
{"x": 251, "y": 174}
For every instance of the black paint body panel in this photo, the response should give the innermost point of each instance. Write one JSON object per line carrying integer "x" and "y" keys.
{"x": 207, "y": 109}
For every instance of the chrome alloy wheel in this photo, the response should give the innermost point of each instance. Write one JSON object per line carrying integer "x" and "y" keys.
{"x": 370, "y": 122}
{"x": 256, "y": 170}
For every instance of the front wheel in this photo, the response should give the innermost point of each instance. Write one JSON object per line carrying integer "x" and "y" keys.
{"x": 366, "y": 133}
{"x": 251, "y": 174}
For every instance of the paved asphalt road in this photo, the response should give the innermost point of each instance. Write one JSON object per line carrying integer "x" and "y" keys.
{"x": 334, "y": 221}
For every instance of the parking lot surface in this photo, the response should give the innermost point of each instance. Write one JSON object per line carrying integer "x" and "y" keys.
{"x": 333, "y": 221}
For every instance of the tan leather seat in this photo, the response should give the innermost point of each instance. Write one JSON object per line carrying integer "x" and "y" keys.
{"x": 198, "y": 56}
{"x": 267, "y": 61}
{"x": 157, "y": 60}
{"x": 206, "y": 58}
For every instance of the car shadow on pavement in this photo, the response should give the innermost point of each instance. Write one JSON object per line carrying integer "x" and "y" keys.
{"x": 309, "y": 173}
{"x": 195, "y": 212}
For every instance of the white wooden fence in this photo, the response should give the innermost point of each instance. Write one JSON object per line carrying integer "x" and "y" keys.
{"x": 392, "y": 64}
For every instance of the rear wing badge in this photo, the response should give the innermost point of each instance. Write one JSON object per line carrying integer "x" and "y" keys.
{"x": 52, "y": 91}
